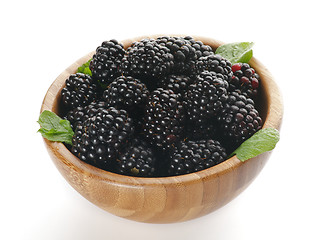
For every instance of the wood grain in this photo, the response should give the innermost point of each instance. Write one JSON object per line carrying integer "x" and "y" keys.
{"x": 165, "y": 199}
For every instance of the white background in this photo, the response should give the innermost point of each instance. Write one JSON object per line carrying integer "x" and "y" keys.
{"x": 292, "y": 198}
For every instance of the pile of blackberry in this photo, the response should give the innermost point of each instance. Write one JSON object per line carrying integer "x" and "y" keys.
{"x": 161, "y": 107}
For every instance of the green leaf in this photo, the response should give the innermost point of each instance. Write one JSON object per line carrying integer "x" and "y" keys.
{"x": 85, "y": 68}
{"x": 54, "y": 128}
{"x": 236, "y": 52}
{"x": 262, "y": 141}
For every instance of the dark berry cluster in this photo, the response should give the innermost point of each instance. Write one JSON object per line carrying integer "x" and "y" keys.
{"x": 240, "y": 119}
{"x": 161, "y": 107}
{"x": 206, "y": 97}
{"x": 139, "y": 160}
{"x": 193, "y": 156}
{"x": 215, "y": 63}
{"x": 164, "y": 119}
{"x": 79, "y": 90}
{"x": 147, "y": 59}
{"x": 126, "y": 92}
{"x": 106, "y": 61}
{"x": 99, "y": 139}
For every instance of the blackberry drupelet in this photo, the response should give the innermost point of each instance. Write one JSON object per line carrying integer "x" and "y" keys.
{"x": 177, "y": 83}
{"x": 184, "y": 54}
{"x": 127, "y": 93}
{"x": 164, "y": 119}
{"x": 240, "y": 119}
{"x": 80, "y": 114}
{"x": 136, "y": 160}
{"x": 98, "y": 139}
{"x": 79, "y": 90}
{"x": 193, "y": 156}
{"x": 106, "y": 61}
{"x": 147, "y": 59}
{"x": 206, "y": 97}
{"x": 244, "y": 78}
{"x": 215, "y": 63}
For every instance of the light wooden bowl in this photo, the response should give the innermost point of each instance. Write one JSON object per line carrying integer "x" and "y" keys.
{"x": 164, "y": 199}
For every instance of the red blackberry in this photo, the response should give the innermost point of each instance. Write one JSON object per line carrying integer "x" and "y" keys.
{"x": 127, "y": 93}
{"x": 79, "y": 90}
{"x": 164, "y": 119}
{"x": 244, "y": 78}
{"x": 240, "y": 120}
{"x": 177, "y": 83}
{"x": 80, "y": 114}
{"x": 215, "y": 63}
{"x": 147, "y": 59}
{"x": 193, "y": 156}
{"x": 136, "y": 160}
{"x": 206, "y": 97}
{"x": 99, "y": 138}
{"x": 106, "y": 61}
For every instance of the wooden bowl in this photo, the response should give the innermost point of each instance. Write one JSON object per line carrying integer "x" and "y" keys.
{"x": 164, "y": 199}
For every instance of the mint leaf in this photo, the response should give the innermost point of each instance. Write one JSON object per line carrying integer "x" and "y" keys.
{"x": 85, "y": 68}
{"x": 55, "y": 128}
{"x": 262, "y": 141}
{"x": 236, "y": 52}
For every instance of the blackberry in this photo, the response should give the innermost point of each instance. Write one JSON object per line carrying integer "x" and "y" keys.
{"x": 244, "y": 78}
{"x": 201, "y": 49}
{"x": 215, "y": 63}
{"x": 79, "y": 90}
{"x": 126, "y": 93}
{"x": 240, "y": 119}
{"x": 106, "y": 61}
{"x": 206, "y": 130}
{"x": 206, "y": 97}
{"x": 193, "y": 156}
{"x": 177, "y": 83}
{"x": 136, "y": 160}
{"x": 147, "y": 59}
{"x": 184, "y": 54}
{"x": 78, "y": 115}
{"x": 164, "y": 119}
{"x": 99, "y": 138}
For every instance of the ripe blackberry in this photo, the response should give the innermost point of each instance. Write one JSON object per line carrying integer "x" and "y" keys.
{"x": 201, "y": 50}
{"x": 215, "y": 63}
{"x": 206, "y": 97}
{"x": 240, "y": 120}
{"x": 244, "y": 78}
{"x": 98, "y": 139}
{"x": 106, "y": 61}
{"x": 80, "y": 114}
{"x": 164, "y": 119}
{"x": 79, "y": 90}
{"x": 136, "y": 160}
{"x": 177, "y": 83}
{"x": 206, "y": 130}
{"x": 147, "y": 59}
{"x": 127, "y": 93}
{"x": 184, "y": 54}
{"x": 193, "y": 156}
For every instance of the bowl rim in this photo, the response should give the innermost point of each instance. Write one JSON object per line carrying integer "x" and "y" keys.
{"x": 273, "y": 119}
